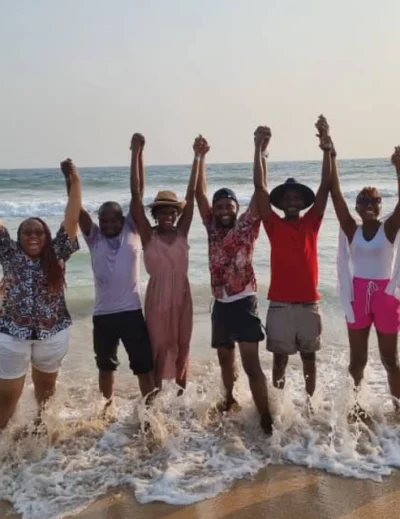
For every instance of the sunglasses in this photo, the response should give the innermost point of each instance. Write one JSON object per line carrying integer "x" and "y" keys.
{"x": 365, "y": 201}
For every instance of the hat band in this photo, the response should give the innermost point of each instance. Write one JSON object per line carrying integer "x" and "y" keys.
{"x": 166, "y": 200}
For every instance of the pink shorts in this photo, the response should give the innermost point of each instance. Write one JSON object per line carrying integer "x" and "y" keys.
{"x": 372, "y": 305}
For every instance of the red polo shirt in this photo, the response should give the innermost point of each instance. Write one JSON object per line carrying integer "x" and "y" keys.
{"x": 294, "y": 261}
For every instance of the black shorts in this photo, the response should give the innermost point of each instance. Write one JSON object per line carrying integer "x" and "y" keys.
{"x": 236, "y": 322}
{"x": 131, "y": 329}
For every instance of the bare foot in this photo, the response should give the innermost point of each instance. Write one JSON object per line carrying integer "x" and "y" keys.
{"x": 310, "y": 413}
{"x": 266, "y": 423}
{"x": 151, "y": 396}
{"x": 227, "y": 404}
{"x": 108, "y": 409}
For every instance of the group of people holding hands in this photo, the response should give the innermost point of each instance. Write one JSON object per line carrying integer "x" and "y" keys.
{"x": 34, "y": 319}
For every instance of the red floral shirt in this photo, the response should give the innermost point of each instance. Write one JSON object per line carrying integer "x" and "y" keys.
{"x": 231, "y": 254}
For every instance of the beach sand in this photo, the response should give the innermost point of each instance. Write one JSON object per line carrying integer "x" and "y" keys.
{"x": 276, "y": 492}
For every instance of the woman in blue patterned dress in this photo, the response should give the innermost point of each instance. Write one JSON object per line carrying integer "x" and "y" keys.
{"x": 34, "y": 319}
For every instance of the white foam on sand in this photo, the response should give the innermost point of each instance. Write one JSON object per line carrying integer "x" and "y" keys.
{"x": 191, "y": 452}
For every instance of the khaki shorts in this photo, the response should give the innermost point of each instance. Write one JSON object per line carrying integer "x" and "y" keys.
{"x": 293, "y": 327}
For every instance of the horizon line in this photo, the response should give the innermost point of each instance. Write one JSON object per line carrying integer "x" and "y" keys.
{"x": 188, "y": 164}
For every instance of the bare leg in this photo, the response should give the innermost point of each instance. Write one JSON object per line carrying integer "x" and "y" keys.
{"x": 358, "y": 353}
{"x": 146, "y": 383}
{"x": 257, "y": 382}
{"x": 358, "y": 360}
{"x": 181, "y": 382}
{"x": 181, "y": 379}
{"x": 226, "y": 357}
{"x": 278, "y": 370}
{"x": 309, "y": 371}
{"x": 390, "y": 360}
{"x": 106, "y": 383}
{"x": 10, "y": 393}
{"x": 45, "y": 385}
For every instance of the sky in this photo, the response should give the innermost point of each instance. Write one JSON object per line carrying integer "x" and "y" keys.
{"x": 78, "y": 77}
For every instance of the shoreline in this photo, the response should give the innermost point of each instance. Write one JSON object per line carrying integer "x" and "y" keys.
{"x": 283, "y": 491}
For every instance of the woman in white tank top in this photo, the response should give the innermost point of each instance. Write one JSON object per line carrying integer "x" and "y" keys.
{"x": 371, "y": 249}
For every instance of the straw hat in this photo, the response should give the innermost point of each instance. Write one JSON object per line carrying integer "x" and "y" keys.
{"x": 167, "y": 198}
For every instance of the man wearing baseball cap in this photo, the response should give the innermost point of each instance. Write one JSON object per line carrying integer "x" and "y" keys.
{"x": 293, "y": 319}
{"x": 231, "y": 240}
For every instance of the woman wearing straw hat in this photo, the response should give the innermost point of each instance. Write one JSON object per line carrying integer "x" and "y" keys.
{"x": 168, "y": 304}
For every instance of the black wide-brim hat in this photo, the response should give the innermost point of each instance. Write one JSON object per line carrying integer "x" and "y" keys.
{"x": 305, "y": 192}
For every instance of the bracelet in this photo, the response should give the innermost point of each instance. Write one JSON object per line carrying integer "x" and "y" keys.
{"x": 265, "y": 155}
{"x": 197, "y": 157}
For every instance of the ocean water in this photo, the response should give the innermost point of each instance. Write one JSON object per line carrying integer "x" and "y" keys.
{"x": 191, "y": 452}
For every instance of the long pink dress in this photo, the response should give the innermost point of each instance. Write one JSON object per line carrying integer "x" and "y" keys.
{"x": 168, "y": 305}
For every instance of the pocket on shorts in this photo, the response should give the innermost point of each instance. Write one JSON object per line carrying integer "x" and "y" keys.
{"x": 309, "y": 328}
{"x": 15, "y": 356}
{"x": 251, "y": 305}
{"x": 276, "y": 325}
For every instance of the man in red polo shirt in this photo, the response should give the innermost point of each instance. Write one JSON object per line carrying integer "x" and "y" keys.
{"x": 293, "y": 319}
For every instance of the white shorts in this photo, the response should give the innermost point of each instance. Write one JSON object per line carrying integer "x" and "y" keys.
{"x": 46, "y": 355}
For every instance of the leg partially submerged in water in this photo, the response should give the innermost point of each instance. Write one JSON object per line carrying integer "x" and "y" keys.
{"x": 309, "y": 371}
{"x": 257, "y": 382}
{"x": 278, "y": 370}
{"x": 10, "y": 393}
{"x": 45, "y": 386}
{"x": 358, "y": 353}
{"x": 226, "y": 358}
{"x": 358, "y": 339}
{"x": 387, "y": 343}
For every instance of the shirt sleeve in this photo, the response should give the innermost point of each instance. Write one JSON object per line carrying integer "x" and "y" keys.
{"x": 63, "y": 246}
{"x": 249, "y": 223}
{"x": 270, "y": 222}
{"x": 313, "y": 219}
{"x": 92, "y": 236}
{"x": 6, "y": 243}
{"x": 130, "y": 223}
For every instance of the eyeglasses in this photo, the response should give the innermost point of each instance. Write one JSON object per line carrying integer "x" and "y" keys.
{"x": 365, "y": 200}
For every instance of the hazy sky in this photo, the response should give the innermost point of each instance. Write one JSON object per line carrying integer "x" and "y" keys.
{"x": 78, "y": 77}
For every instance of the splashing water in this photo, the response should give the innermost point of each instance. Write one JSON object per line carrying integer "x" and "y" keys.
{"x": 190, "y": 452}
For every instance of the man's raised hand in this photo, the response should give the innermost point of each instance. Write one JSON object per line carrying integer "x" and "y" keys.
{"x": 137, "y": 143}
{"x": 262, "y": 136}
{"x": 68, "y": 169}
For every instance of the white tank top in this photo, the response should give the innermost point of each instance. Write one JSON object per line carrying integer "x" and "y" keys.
{"x": 372, "y": 259}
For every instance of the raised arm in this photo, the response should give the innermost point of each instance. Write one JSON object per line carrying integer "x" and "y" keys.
{"x": 85, "y": 221}
{"x": 203, "y": 203}
{"x": 185, "y": 220}
{"x": 262, "y": 137}
{"x": 74, "y": 203}
{"x": 392, "y": 224}
{"x": 141, "y": 166}
{"x": 136, "y": 207}
{"x": 321, "y": 198}
{"x": 346, "y": 221}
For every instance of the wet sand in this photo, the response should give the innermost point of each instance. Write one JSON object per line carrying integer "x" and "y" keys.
{"x": 276, "y": 492}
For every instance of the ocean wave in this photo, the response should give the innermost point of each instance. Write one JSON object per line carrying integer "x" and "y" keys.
{"x": 37, "y": 208}
{"x": 29, "y": 208}
{"x": 57, "y": 207}
{"x": 385, "y": 193}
